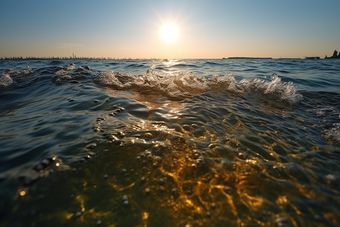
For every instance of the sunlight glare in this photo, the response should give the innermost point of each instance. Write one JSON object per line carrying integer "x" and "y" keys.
{"x": 169, "y": 32}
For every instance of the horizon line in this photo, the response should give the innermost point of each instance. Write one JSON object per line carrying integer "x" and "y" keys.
{"x": 129, "y": 58}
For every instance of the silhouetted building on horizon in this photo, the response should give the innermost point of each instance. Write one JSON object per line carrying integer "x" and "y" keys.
{"x": 335, "y": 55}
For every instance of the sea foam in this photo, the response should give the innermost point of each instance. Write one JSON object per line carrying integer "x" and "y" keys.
{"x": 185, "y": 83}
{"x": 16, "y": 78}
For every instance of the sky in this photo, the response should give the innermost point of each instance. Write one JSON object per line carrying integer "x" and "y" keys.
{"x": 206, "y": 29}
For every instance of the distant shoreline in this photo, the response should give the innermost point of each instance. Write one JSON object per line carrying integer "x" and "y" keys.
{"x": 109, "y": 58}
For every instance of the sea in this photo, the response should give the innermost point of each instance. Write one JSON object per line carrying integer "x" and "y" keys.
{"x": 162, "y": 142}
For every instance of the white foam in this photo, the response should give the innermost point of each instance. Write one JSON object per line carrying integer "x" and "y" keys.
{"x": 326, "y": 111}
{"x": 333, "y": 133}
{"x": 184, "y": 83}
{"x": 60, "y": 76}
{"x": 15, "y": 78}
{"x": 5, "y": 80}
{"x": 272, "y": 91}
{"x": 67, "y": 73}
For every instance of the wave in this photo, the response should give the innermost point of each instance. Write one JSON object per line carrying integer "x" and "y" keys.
{"x": 184, "y": 84}
{"x": 333, "y": 134}
{"x": 213, "y": 63}
{"x": 176, "y": 86}
{"x": 68, "y": 73}
{"x": 135, "y": 65}
{"x": 56, "y": 62}
{"x": 185, "y": 65}
{"x": 16, "y": 78}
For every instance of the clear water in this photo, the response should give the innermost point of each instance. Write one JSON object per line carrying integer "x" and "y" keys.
{"x": 170, "y": 143}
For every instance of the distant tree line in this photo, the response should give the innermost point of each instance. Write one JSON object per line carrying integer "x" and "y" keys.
{"x": 53, "y": 58}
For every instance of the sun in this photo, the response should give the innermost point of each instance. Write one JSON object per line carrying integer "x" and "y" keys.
{"x": 169, "y": 32}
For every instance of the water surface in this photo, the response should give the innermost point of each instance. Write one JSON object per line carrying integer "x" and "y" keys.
{"x": 244, "y": 142}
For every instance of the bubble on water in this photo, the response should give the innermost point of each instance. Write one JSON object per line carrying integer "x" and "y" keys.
{"x": 121, "y": 134}
{"x": 77, "y": 214}
{"x": 186, "y": 127}
{"x": 242, "y": 155}
{"x": 161, "y": 181}
{"x": 120, "y": 109}
{"x": 196, "y": 154}
{"x": 148, "y": 135}
{"x": 125, "y": 200}
{"x": 149, "y": 157}
{"x": 158, "y": 158}
{"x": 330, "y": 178}
{"x": 147, "y": 191}
{"x": 228, "y": 189}
{"x": 282, "y": 222}
{"x": 87, "y": 157}
{"x": 91, "y": 146}
{"x": 174, "y": 191}
{"x": 126, "y": 203}
{"x": 45, "y": 163}
{"x": 91, "y": 153}
{"x": 199, "y": 161}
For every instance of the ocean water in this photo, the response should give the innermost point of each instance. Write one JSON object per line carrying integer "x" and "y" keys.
{"x": 242, "y": 142}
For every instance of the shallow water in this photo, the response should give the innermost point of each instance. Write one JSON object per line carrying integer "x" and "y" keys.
{"x": 170, "y": 143}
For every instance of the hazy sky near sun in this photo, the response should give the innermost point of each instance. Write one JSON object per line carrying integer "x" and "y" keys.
{"x": 206, "y": 29}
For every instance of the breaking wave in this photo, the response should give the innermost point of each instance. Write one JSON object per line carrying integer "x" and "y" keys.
{"x": 184, "y": 84}
{"x": 16, "y": 78}
{"x": 176, "y": 86}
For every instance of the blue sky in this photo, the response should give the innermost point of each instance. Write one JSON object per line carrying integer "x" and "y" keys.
{"x": 207, "y": 29}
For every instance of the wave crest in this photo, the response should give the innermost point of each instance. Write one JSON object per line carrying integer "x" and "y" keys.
{"x": 184, "y": 84}
{"x": 16, "y": 78}
{"x": 272, "y": 91}
{"x": 69, "y": 74}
